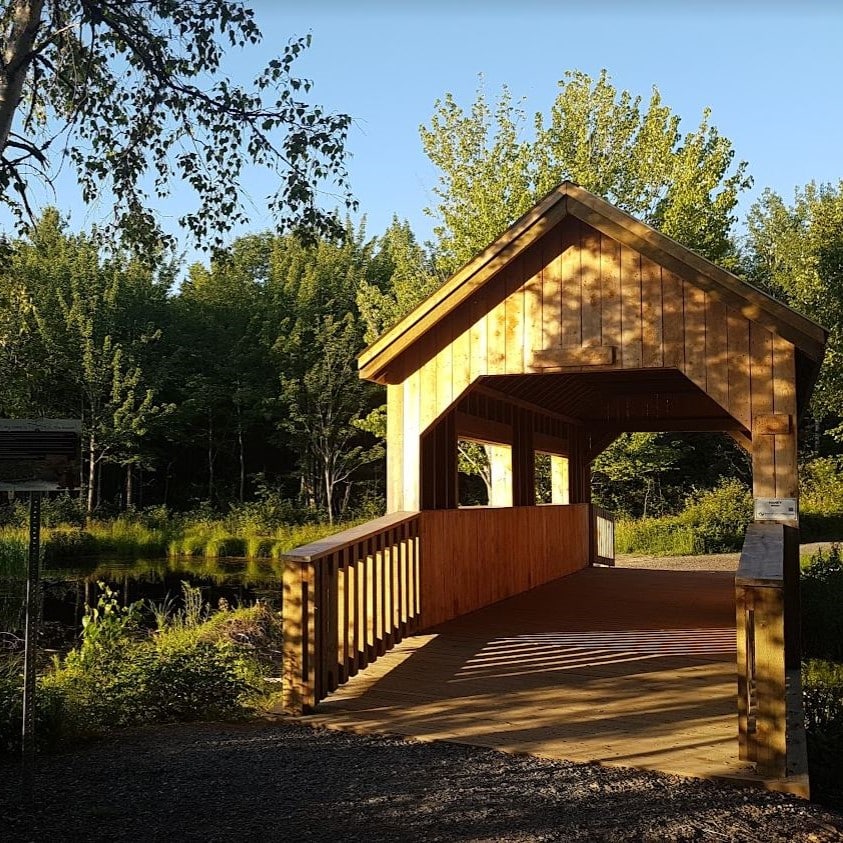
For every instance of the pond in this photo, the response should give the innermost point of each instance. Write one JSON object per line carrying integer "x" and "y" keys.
{"x": 68, "y": 590}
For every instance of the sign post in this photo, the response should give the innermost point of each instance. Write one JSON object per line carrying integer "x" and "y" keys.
{"x": 36, "y": 456}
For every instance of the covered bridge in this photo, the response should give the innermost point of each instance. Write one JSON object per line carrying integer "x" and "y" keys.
{"x": 576, "y": 325}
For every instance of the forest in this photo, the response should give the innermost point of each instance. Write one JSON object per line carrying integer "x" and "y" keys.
{"x": 208, "y": 386}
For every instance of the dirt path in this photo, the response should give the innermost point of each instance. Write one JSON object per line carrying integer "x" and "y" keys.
{"x": 279, "y": 781}
{"x": 710, "y": 562}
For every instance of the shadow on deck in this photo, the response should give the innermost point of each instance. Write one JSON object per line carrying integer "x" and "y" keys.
{"x": 621, "y": 667}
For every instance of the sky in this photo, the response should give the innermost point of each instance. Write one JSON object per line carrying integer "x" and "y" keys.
{"x": 771, "y": 73}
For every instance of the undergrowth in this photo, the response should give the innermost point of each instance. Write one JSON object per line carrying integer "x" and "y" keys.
{"x": 172, "y": 662}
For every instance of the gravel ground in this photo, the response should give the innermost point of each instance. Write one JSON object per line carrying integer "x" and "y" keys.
{"x": 283, "y": 781}
{"x": 710, "y": 562}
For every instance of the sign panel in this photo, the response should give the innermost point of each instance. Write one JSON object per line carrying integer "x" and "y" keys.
{"x": 775, "y": 509}
{"x": 39, "y": 455}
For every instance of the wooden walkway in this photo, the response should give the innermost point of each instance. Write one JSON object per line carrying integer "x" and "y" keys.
{"x": 619, "y": 666}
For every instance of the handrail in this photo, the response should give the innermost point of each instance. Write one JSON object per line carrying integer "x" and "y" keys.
{"x": 767, "y": 605}
{"x": 347, "y": 600}
{"x": 603, "y": 528}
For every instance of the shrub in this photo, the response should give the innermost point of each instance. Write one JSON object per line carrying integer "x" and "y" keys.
{"x": 192, "y": 667}
{"x": 719, "y": 516}
{"x": 822, "y": 599}
{"x": 48, "y": 710}
{"x": 656, "y": 536}
{"x": 822, "y": 689}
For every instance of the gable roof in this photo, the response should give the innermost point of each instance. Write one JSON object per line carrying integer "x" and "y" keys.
{"x": 569, "y": 199}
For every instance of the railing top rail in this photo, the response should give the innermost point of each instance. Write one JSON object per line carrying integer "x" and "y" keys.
{"x": 604, "y": 513}
{"x": 762, "y": 557}
{"x": 346, "y": 538}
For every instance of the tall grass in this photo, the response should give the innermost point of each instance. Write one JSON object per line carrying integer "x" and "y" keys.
{"x": 132, "y": 538}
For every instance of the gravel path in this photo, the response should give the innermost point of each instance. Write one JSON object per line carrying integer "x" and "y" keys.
{"x": 282, "y": 781}
{"x": 709, "y": 562}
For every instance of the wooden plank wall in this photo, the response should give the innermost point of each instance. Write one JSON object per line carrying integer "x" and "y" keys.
{"x": 471, "y": 558}
{"x": 579, "y": 288}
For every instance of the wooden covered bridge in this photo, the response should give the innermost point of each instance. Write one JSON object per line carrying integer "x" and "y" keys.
{"x": 492, "y": 625}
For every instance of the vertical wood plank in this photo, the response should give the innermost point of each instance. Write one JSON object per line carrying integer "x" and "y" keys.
{"x": 552, "y": 290}
{"x": 740, "y": 406}
{"x": 496, "y": 328}
{"x": 761, "y": 389}
{"x": 716, "y": 351}
{"x": 784, "y": 402}
{"x": 631, "y": 334}
{"x": 610, "y": 291}
{"x": 533, "y": 329}
{"x": 478, "y": 347}
{"x": 695, "y": 334}
{"x": 394, "y": 447}
{"x": 673, "y": 321}
{"x": 770, "y": 730}
{"x": 571, "y": 302}
{"x": 514, "y": 341}
{"x": 652, "y": 353}
{"x": 412, "y": 433}
{"x": 592, "y": 317}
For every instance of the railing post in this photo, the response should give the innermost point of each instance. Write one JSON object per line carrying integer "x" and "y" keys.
{"x": 771, "y": 716}
{"x": 300, "y": 634}
{"x": 744, "y": 752}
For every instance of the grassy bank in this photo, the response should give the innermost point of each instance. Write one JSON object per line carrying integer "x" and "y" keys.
{"x": 124, "y": 538}
{"x": 148, "y": 664}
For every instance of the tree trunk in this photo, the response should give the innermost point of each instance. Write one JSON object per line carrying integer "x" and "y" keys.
{"x": 242, "y": 456}
{"x": 130, "y": 499}
{"x": 210, "y": 457}
{"x": 92, "y": 472}
{"x": 17, "y": 58}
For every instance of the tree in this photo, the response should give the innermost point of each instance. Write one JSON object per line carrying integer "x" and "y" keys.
{"x": 603, "y": 140}
{"x": 82, "y": 324}
{"x": 119, "y": 87}
{"x": 795, "y": 252}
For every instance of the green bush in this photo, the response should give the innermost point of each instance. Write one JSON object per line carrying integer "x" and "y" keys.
{"x": 48, "y": 710}
{"x": 719, "y": 516}
{"x": 822, "y": 605}
{"x": 822, "y": 689}
{"x": 192, "y": 667}
{"x": 656, "y": 537}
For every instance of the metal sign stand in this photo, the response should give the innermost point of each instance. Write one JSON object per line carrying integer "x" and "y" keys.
{"x": 32, "y": 624}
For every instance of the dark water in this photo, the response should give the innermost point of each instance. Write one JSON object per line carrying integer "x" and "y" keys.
{"x": 68, "y": 590}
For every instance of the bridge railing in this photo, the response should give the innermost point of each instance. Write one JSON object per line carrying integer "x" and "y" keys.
{"x": 603, "y": 529}
{"x": 347, "y": 600}
{"x": 768, "y": 653}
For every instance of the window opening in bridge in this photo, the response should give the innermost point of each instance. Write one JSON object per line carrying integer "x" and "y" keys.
{"x": 551, "y": 478}
{"x": 485, "y": 473}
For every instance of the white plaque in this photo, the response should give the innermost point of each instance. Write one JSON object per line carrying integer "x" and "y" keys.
{"x": 775, "y": 509}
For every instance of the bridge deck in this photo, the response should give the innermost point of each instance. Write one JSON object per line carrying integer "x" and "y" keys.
{"x": 619, "y": 666}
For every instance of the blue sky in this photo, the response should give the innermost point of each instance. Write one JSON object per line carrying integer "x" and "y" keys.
{"x": 771, "y": 73}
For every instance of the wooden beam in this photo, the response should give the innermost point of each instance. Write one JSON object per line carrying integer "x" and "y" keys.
{"x": 666, "y": 425}
{"x": 500, "y": 395}
{"x": 478, "y": 429}
{"x": 772, "y": 424}
{"x": 595, "y": 355}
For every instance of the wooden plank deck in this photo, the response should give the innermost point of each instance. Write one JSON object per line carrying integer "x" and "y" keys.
{"x": 619, "y": 666}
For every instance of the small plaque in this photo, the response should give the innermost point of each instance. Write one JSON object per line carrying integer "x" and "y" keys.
{"x": 775, "y": 509}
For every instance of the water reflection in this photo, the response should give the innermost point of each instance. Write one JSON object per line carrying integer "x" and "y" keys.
{"x": 69, "y": 589}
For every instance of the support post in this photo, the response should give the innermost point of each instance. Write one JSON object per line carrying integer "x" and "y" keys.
{"x": 559, "y": 483}
{"x": 500, "y": 471}
{"x": 32, "y": 623}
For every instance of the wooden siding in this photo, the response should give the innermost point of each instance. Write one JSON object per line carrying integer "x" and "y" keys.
{"x": 577, "y": 290}
{"x": 472, "y": 558}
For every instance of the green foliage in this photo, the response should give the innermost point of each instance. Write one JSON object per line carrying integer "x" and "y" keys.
{"x": 192, "y": 666}
{"x": 48, "y": 710}
{"x": 720, "y": 516}
{"x": 600, "y": 138}
{"x": 714, "y": 521}
{"x": 134, "y": 91}
{"x": 664, "y": 536}
{"x": 822, "y": 599}
{"x": 796, "y": 253}
{"x": 822, "y": 693}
